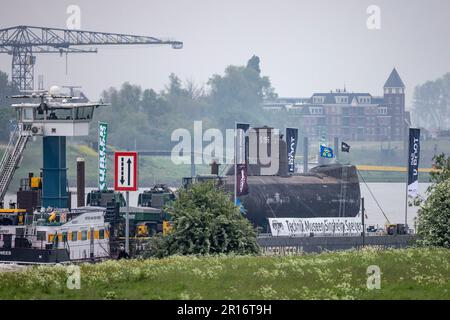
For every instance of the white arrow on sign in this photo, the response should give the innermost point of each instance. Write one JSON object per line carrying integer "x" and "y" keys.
{"x": 126, "y": 171}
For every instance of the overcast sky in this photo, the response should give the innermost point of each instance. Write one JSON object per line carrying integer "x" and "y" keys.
{"x": 305, "y": 46}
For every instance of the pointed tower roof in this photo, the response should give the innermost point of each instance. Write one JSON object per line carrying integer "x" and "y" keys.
{"x": 394, "y": 80}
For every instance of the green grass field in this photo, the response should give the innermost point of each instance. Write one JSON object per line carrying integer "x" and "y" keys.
{"x": 405, "y": 274}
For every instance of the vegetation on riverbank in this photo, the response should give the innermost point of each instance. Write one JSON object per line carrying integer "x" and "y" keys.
{"x": 405, "y": 274}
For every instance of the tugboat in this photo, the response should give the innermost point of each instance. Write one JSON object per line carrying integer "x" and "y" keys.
{"x": 43, "y": 228}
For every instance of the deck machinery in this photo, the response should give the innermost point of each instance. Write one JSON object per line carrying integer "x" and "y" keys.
{"x": 147, "y": 219}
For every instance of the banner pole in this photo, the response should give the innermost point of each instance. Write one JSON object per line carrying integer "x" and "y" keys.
{"x": 363, "y": 209}
{"x": 235, "y": 162}
{"x": 406, "y": 203}
{"x": 127, "y": 223}
{"x": 407, "y": 176}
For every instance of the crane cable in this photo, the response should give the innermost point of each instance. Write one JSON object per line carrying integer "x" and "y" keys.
{"x": 373, "y": 196}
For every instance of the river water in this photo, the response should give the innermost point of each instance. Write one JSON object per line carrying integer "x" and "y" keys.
{"x": 390, "y": 196}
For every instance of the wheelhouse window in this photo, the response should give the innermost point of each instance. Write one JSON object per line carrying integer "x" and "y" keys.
{"x": 84, "y": 235}
{"x": 41, "y": 235}
{"x": 74, "y": 235}
{"x": 84, "y": 113}
{"x": 101, "y": 234}
{"x": 60, "y": 114}
{"x": 27, "y": 114}
{"x": 39, "y": 115}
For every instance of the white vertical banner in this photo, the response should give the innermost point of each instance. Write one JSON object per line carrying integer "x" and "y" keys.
{"x": 102, "y": 138}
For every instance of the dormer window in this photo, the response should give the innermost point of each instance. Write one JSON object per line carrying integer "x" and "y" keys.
{"x": 364, "y": 99}
{"x": 318, "y": 99}
{"x": 341, "y": 99}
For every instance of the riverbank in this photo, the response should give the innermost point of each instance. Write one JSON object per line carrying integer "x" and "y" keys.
{"x": 405, "y": 274}
{"x": 159, "y": 169}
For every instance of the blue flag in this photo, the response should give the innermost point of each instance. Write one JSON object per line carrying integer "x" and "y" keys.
{"x": 326, "y": 152}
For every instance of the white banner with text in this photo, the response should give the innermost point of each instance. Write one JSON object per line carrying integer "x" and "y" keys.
{"x": 297, "y": 227}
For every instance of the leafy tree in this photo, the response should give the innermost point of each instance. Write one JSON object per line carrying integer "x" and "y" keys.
{"x": 148, "y": 118}
{"x": 253, "y": 63}
{"x": 238, "y": 94}
{"x": 433, "y": 220}
{"x": 434, "y": 217}
{"x": 442, "y": 164}
{"x": 431, "y": 105}
{"x": 206, "y": 221}
{"x": 6, "y": 112}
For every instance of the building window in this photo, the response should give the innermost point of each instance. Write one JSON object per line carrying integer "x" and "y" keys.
{"x": 382, "y": 110}
{"x": 101, "y": 234}
{"x": 74, "y": 235}
{"x": 318, "y": 99}
{"x": 83, "y": 235}
{"x": 364, "y": 100}
{"x": 316, "y": 110}
{"x": 341, "y": 99}
{"x": 27, "y": 114}
{"x": 40, "y": 235}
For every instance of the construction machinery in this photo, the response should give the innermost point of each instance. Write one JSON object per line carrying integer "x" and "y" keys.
{"x": 23, "y": 42}
{"x": 148, "y": 218}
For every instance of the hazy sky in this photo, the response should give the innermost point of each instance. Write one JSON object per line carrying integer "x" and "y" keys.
{"x": 304, "y": 46}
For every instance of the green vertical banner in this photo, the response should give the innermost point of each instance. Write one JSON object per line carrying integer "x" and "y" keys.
{"x": 102, "y": 135}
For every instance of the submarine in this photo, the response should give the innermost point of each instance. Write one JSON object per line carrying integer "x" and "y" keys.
{"x": 328, "y": 190}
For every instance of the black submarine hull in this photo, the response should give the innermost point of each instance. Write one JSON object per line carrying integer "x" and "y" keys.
{"x": 325, "y": 191}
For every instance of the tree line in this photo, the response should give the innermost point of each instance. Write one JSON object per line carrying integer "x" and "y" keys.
{"x": 146, "y": 118}
{"x": 431, "y": 104}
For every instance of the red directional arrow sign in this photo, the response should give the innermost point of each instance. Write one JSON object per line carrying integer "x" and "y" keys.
{"x": 125, "y": 171}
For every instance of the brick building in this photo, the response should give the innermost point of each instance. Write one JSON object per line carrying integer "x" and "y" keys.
{"x": 348, "y": 115}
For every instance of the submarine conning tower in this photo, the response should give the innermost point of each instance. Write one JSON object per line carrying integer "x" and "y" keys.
{"x": 329, "y": 190}
{"x": 259, "y": 140}
{"x": 53, "y": 116}
{"x": 259, "y": 137}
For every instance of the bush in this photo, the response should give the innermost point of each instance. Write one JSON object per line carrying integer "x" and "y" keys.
{"x": 442, "y": 163}
{"x": 433, "y": 217}
{"x": 205, "y": 221}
